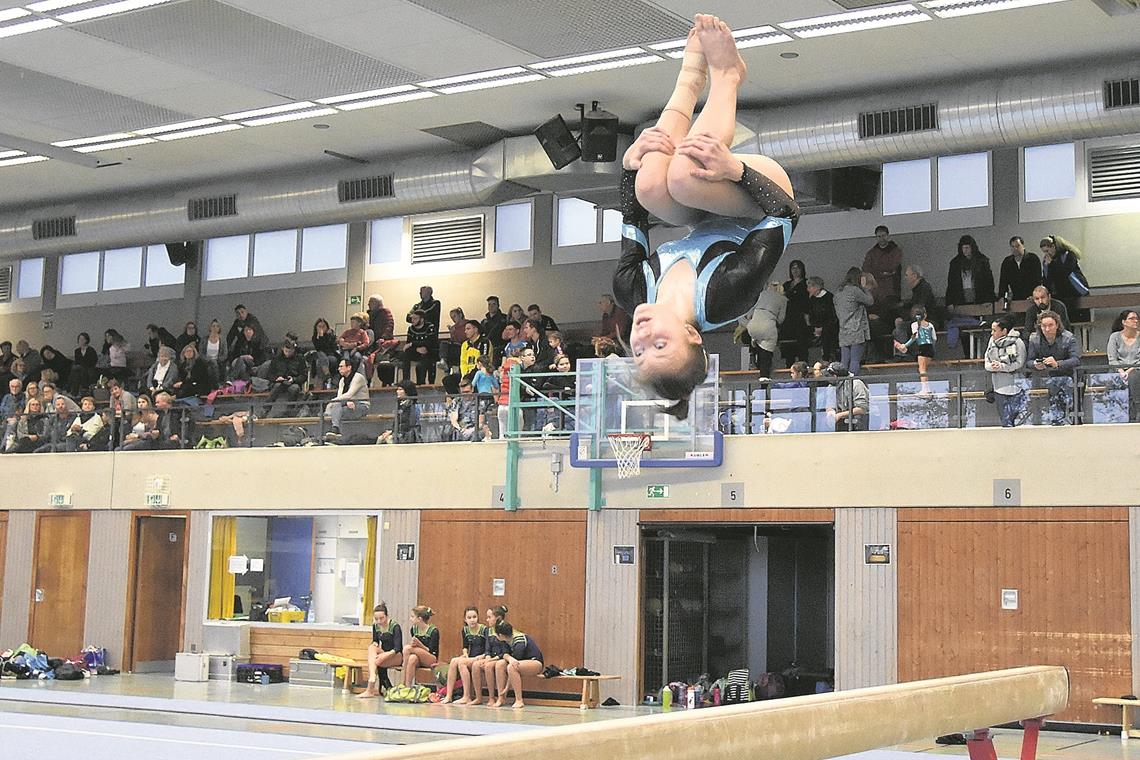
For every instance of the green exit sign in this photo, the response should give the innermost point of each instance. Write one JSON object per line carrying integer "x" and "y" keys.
{"x": 657, "y": 492}
{"x": 355, "y": 300}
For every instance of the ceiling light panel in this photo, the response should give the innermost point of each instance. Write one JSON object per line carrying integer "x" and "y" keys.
{"x": 492, "y": 83}
{"x": 956, "y": 8}
{"x": 13, "y": 13}
{"x": 279, "y": 118}
{"x": 578, "y": 59}
{"x": 243, "y": 115}
{"x": 10, "y": 153}
{"x": 604, "y": 65}
{"x": 108, "y": 9}
{"x": 22, "y": 160}
{"x": 856, "y": 21}
{"x": 368, "y": 94}
{"x": 90, "y": 140}
{"x": 114, "y": 145}
{"x": 177, "y": 127}
{"x": 492, "y": 74}
{"x": 357, "y": 105}
{"x": 45, "y": 6}
{"x": 198, "y": 132}
{"x": 12, "y": 30}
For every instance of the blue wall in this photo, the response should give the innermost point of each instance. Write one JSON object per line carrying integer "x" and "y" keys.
{"x": 290, "y": 560}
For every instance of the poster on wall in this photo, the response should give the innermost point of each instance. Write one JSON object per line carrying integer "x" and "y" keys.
{"x": 623, "y": 555}
{"x": 405, "y": 552}
{"x": 876, "y": 554}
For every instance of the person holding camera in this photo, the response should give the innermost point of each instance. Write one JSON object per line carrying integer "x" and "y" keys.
{"x": 1005, "y": 357}
{"x": 1053, "y": 355}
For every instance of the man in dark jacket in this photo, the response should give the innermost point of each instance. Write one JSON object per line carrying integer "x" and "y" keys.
{"x": 822, "y": 318}
{"x": 248, "y": 352}
{"x": 1053, "y": 355}
{"x": 969, "y": 281}
{"x": 429, "y": 305}
{"x": 921, "y": 294}
{"x": 242, "y": 317}
{"x": 493, "y": 323}
{"x": 421, "y": 348}
{"x": 286, "y": 376}
{"x": 157, "y": 337}
{"x": 1020, "y": 271}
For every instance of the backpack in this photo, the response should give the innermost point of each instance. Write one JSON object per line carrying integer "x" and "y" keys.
{"x": 737, "y": 690}
{"x": 294, "y": 435}
{"x": 68, "y": 671}
{"x": 307, "y": 654}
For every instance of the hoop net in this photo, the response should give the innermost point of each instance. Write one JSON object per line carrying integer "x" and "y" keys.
{"x": 627, "y": 449}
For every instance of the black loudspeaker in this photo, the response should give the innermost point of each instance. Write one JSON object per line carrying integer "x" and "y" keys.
{"x": 599, "y": 137}
{"x": 558, "y": 142}
{"x": 855, "y": 187}
{"x": 184, "y": 252}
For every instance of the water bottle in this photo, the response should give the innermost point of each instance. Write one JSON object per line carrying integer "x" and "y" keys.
{"x": 666, "y": 696}
{"x": 264, "y": 679}
{"x": 1006, "y": 300}
{"x": 716, "y": 695}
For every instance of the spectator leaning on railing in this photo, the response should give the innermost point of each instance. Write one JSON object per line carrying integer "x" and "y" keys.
{"x": 1124, "y": 355}
{"x": 1005, "y": 358}
{"x": 1053, "y": 354}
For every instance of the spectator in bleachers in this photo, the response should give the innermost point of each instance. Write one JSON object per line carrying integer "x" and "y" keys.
{"x": 884, "y": 262}
{"x": 215, "y": 352}
{"x": 1005, "y": 359}
{"x": 1020, "y": 272}
{"x": 321, "y": 358}
{"x": 28, "y": 433}
{"x": 503, "y": 383}
{"x": 13, "y": 400}
{"x": 1061, "y": 273}
{"x": 248, "y": 353}
{"x": 84, "y": 369}
{"x": 456, "y": 335}
{"x": 380, "y": 320}
{"x": 407, "y": 423}
{"x": 493, "y": 321}
{"x": 49, "y": 392}
{"x": 851, "y": 409}
{"x": 163, "y": 374}
{"x": 516, "y": 313}
{"x": 169, "y": 421}
{"x": 970, "y": 280}
{"x": 795, "y": 332}
{"x": 421, "y": 348}
{"x": 56, "y": 426}
{"x": 381, "y": 326}
{"x": 1041, "y": 302}
{"x": 822, "y": 318}
{"x": 851, "y": 302}
{"x": 31, "y": 359}
{"x": 468, "y": 415}
{"x": 535, "y": 336}
{"x": 483, "y": 381}
{"x": 512, "y": 339}
{"x": 560, "y": 387}
{"x": 6, "y": 355}
{"x": 145, "y": 433}
{"x": 616, "y": 323}
{"x": 189, "y": 335}
{"x": 286, "y": 377}
{"x": 156, "y": 337}
{"x": 242, "y": 317}
{"x": 86, "y": 431}
{"x": 116, "y": 349}
{"x": 534, "y": 311}
{"x": 921, "y": 294}
{"x": 474, "y": 345}
{"x": 123, "y": 406}
{"x": 429, "y": 305}
{"x": 194, "y": 375}
{"x": 52, "y": 359}
{"x": 355, "y": 339}
{"x": 1124, "y": 355}
{"x": 762, "y": 327}
{"x": 18, "y": 369}
{"x": 1054, "y": 354}
{"x": 351, "y": 401}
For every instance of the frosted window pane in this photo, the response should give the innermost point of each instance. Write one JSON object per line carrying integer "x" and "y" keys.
{"x": 227, "y": 258}
{"x": 159, "y": 270}
{"x": 79, "y": 273}
{"x": 1050, "y": 172}
{"x": 906, "y": 187}
{"x": 31, "y": 283}
{"x": 611, "y": 225}
{"x": 387, "y": 240}
{"x": 512, "y": 227}
{"x": 324, "y": 247}
{"x": 963, "y": 181}
{"x": 275, "y": 252}
{"x": 577, "y": 222}
{"x": 122, "y": 268}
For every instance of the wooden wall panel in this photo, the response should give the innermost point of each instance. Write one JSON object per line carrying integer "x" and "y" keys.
{"x": 17, "y": 579}
{"x": 1074, "y": 606}
{"x": 543, "y": 562}
{"x": 1134, "y": 578}
{"x": 866, "y": 605}
{"x": 1014, "y": 514}
{"x": 108, "y": 567}
{"x": 197, "y": 581}
{"x": 612, "y": 601}
{"x": 747, "y": 516}
{"x": 279, "y": 644}
{"x": 399, "y": 579}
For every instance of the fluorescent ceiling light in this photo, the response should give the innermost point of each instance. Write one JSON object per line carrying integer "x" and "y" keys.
{"x": 851, "y": 16}
{"x": 28, "y": 26}
{"x": 198, "y": 132}
{"x": 243, "y": 115}
{"x": 586, "y": 58}
{"x": 856, "y": 21}
{"x": 10, "y": 153}
{"x": 179, "y": 126}
{"x": 640, "y": 60}
{"x": 955, "y": 8}
{"x": 22, "y": 160}
{"x": 368, "y": 94}
{"x": 89, "y": 140}
{"x": 11, "y": 13}
{"x": 472, "y": 77}
{"x": 114, "y": 145}
{"x": 106, "y": 10}
{"x": 669, "y": 45}
{"x": 769, "y": 38}
{"x": 419, "y": 95}
{"x": 492, "y": 83}
{"x": 50, "y": 5}
{"x": 289, "y": 117}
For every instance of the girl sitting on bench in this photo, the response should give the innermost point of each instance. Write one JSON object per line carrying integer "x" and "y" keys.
{"x": 486, "y": 665}
{"x": 384, "y": 652}
{"x": 523, "y": 659}
{"x": 473, "y": 636}
{"x": 422, "y": 649}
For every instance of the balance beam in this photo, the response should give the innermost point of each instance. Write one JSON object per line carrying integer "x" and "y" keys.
{"x": 800, "y": 728}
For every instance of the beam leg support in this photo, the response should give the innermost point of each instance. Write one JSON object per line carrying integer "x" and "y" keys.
{"x": 1029, "y": 739}
{"x": 980, "y": 745}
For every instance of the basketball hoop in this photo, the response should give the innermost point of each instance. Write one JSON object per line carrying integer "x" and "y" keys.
{"x": 627, "y": 449}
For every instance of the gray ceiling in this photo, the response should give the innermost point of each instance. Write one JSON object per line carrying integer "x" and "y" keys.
{"x": 204, "y": 58}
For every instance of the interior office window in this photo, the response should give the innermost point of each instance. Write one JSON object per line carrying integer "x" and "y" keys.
{"x": 1050, "y": 172}
{"x": 963, "y": 181}
{"x": 79, "y": 273}
{"x": 31, "y": 282}
{"x": 275, "y": 252}
{"x": 227, "y": 258}
{"x": 906, "y": 187}
{"x": 324, "y": 247}
{"x": 386, "y": 241}
{"x": 159, "y": 270}
{"x": 512, "y": 227}
{"x": 611, "y": 225}
{"x": 577, "y": 222}
{"x": 122, "y": 268}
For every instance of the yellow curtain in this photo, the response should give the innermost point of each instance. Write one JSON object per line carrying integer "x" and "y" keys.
{"x": 369, "y": 598}
{"x": 222, "y": 546}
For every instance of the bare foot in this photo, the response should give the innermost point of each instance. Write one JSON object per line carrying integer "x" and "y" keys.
{"x": 518, "y": 705}
{"x": 496, "y": 704}
{"x": 368, "y": 693}
{"x": 474, "y": 702}
{"x": 693, "y": 60}
{"x": 445, "y": 701}
{"x": 719, "y": 46}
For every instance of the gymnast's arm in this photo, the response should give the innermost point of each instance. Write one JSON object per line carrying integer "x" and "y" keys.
{"x": 629, "y": 279}
{"x": 769, "y": 196}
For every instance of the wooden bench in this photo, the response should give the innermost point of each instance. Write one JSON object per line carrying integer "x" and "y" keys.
{"x": 358, "y": 668}
{"x": 1126, "y": 730}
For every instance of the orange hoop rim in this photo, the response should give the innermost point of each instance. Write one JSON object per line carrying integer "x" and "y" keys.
{"x": 646, "y": 437}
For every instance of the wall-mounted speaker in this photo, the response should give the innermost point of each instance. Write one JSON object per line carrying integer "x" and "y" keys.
{"x": 599, "y": 136}
{"x": 558, "y": 142}
{"x": 184, "y": 252}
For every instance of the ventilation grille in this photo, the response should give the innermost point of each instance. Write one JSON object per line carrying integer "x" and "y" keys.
{"x": 6, "y": 284}
{"x": 898, "y": 121}
{"x": 198, "y": 209}
{"x": 446, "y": 239}
{"x": 1114, "y": 173}
{"x": 46, "y": 229}
{"x": 1121, "y": 93}
{"x": 364, "y": 189}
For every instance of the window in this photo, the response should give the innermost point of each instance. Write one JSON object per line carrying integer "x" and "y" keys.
{"x": 31, "y": 283}
{"x": 323, "y": 564}
{"x": 275, "y": 252}
{"x": 79, "y": 273}
{"x": 387, "y": 241}
{"x": 324, "y": 247}
{"x": 611, "y": 225}
{"x": 577, "y": 222}
{"x": 227, "y": 258}
{"x": 906, "y": 187}
{"x": 1050, "y": 172}
{"x": 963, "y": 181}
{"x": 122, "y": 269}
{"x": 159, "y": 270}
{"x": 512, "y": 227}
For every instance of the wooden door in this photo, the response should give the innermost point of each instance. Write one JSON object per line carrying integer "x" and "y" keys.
{"x": 59, "y": 588}
{"x": 159, "y": 573}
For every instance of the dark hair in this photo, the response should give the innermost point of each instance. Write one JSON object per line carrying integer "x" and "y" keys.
{"x": 836, "y": 369}
{"x": 493, "y": 298}
{"x": 1118, "y": 323}
{"x": 346, "y": 360}
{"x": 450, "y": 384}
{"x": 800, "y": 264}
{"x": 382, "y": 607}
{"x": 1005, "y": 322}
{"x": 239, "y": 306}
{"x": 800, "y": 368}
{"x": 534, "y": 307}
{"x": 423, "y": 612}
{"x": 1050, "y": 314}
{"x": 152, "y": 327}
{"x": 82, "y": 335}
{"x": 475, "y": 323}
{"x": 500, "y": 612}
{"x": 328, "y": 327}
{"x": 678, "y": 387}
{"x": 409, "y": 388}
{"x": 470, "y": 608}
{"x": 503, "y": 628}
{"x": 854, "y": 275}
{"x": 882, "y": 228}
{"x": 969, "y": 240}
{"x": 512, "y": 323}
{"x": 1018, "y": 238}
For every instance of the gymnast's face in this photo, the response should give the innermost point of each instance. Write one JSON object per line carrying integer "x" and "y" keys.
{"x": 660, "y": 339}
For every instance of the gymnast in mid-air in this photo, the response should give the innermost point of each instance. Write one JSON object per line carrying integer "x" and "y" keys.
{"x": 739, "y": 208}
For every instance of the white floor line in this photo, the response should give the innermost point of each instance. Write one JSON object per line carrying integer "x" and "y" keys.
{"x": 122, "y": 737}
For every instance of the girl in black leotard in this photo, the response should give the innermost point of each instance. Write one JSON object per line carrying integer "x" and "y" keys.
{"x": 491, "y": 659}
{"x": 385, "y": 651}
{"x": 474, "y": 639}
{"x": 422, "y": 649}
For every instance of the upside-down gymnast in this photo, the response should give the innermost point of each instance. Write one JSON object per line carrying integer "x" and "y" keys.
{"x": 739, "y": 208}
